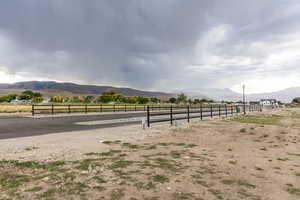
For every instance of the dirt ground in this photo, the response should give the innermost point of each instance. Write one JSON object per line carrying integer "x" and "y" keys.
{"x": 256, "y": 157}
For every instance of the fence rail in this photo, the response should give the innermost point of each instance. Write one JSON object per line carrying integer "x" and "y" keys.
{"x": 173, "y": 113}
{"x": 55, "y": 109}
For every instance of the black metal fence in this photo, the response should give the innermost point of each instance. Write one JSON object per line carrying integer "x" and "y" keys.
{"x": 173, "y": 113}
{"x": 55, "y": 109}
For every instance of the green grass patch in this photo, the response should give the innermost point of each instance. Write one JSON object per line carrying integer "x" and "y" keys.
{"x": 160, "y": 178}
{"x": 255, "y": 119}
{"x": 293, "y": 190}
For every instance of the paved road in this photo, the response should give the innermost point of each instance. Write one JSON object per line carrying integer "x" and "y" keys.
{"x": 13, "y": 127}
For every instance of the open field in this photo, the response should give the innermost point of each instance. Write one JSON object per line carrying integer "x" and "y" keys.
{"x": 7, "y": 108}
{"x": 256, "y": 157}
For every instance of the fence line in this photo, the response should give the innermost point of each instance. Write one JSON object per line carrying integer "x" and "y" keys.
{"x": 173, "y": 113}
{"x": 55, "y": 109}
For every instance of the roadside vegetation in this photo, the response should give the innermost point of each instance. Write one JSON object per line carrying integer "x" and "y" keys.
{"x": 13, "y": 103}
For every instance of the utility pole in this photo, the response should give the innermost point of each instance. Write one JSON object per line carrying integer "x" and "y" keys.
{"x": 244, "y": 100}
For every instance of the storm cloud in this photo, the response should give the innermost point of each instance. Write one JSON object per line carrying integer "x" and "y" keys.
{"x": 165, "y": 45}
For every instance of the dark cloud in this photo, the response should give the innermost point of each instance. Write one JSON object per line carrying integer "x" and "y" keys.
{"x": 156, "y": 44}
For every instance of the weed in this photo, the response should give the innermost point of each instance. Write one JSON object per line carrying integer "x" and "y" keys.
{"x": 117, "y": 194}
{"x": 34, "y": 189}
{"x": 121, "y": 164}
{"x": 268, "y": 120}
{"x": 243, "y": 130}
{"x": 245, "y": 183}
{"x": 293, "y": 190}
{"x": 160, "y": 178}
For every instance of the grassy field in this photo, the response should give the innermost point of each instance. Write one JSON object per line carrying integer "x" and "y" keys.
{"x": 253, "y": 157}
{"x": 5, "y": 108}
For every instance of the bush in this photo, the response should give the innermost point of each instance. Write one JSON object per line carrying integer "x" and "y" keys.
{"x": 296, "y": 100}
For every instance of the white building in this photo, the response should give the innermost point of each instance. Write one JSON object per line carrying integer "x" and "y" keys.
{"x": 268, "y": 102}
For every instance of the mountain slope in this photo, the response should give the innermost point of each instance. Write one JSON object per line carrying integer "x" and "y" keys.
{"x": 286, "y": 95}
{"x": 70, "y": 89}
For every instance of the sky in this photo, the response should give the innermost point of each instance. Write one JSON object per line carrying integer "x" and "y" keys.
{"x": 154, "y": 45}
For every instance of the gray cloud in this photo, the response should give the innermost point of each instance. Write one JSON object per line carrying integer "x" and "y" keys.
{"x": 170, "y": 44}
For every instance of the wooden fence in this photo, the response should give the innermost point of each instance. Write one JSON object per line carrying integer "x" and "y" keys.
{"x": 173, "y": 113}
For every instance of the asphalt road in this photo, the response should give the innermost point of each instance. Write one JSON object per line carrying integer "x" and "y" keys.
{"x": 14, "y": 127}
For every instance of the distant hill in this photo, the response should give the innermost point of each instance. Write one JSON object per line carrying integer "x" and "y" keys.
{"x": 286, "y": 95}
{"x": 50, "y": 88}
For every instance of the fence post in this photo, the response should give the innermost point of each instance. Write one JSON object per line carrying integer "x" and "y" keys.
{"x": 188, "y": 113}
{"x": 148, "y": 116}
{"x": 114, "y": 108}
{"x": 85, "y": 108}
{"x": 226, "y": 109}
{"x": 219, "y": 110}
{"x": 211, "y": 111}
{"x": 52, "y": 109}
{"x": 101, "y": 109}
{"x": 135, "y": 108}
{"x": 171, "y": 115}
{"x": 125, "y": 107}
{"x": 201, "y": 115}
{"x": 32, "y": 109}
{"x": 231, "y": 110}
{"x": 69, "y": 108}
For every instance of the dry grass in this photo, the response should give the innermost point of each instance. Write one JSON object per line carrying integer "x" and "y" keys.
{"x": 14, "y": 108}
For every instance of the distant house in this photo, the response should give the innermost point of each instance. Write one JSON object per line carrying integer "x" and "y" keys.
{"x": 268, "y": 102}
{"x": 47, "y": 100}
{"x": 16, "y": 101}
{"x": 254, "y": 102}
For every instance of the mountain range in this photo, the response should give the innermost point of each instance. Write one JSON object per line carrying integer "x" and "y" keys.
{"x": 286, "y": 95}
{"x": 51, "y": 88}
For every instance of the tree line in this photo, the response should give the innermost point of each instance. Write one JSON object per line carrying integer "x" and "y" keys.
{"x": 106, "y": 97}
{"x": 27, "y": 95}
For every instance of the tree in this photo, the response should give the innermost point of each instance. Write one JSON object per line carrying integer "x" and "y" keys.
{"x": 181, "y": 98}
{"x": 30, "y": 94}
{"x": 25, "y": 97}
{"x": 129, "y": 99}
{"x": 8, "y": 98}
{"x": 172, "y": 100}
{"x": 37, "y": 99}
{"x": 57, "y": 99}
{"x": 111, "y": 91}
{"x": 154, "y": 100}
{"x": 88, "y": 99}
{"x": 118, "y": 97}
{"x": 105, "y": 98}
{"x": 142, "y": 100}
{"x": 296, "y": 100}
{"x": 196, "y": 101}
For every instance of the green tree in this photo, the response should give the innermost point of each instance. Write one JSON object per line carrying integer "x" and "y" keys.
{"x": 111, "y": 91}
{"x": 142, "y": 100}
{"x": 37, "y": 99}
{"x": 172, "y": 100}
{"x": 118, "y": 98}
{"x": 130, "y": 99}
{"x": 105, "y": 98}
{"x": 181, "y": 98}
{"x": 296, "y": 100}
{"x": 88, "y": 99}
{"x": 57, "y": 99}
{"x": 25, "y": 97}
{"x": 8, "y": 98}
{"x": 154, "y": 100}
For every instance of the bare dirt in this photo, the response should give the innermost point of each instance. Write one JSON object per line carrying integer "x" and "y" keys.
{"x": 256, "y": 157}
